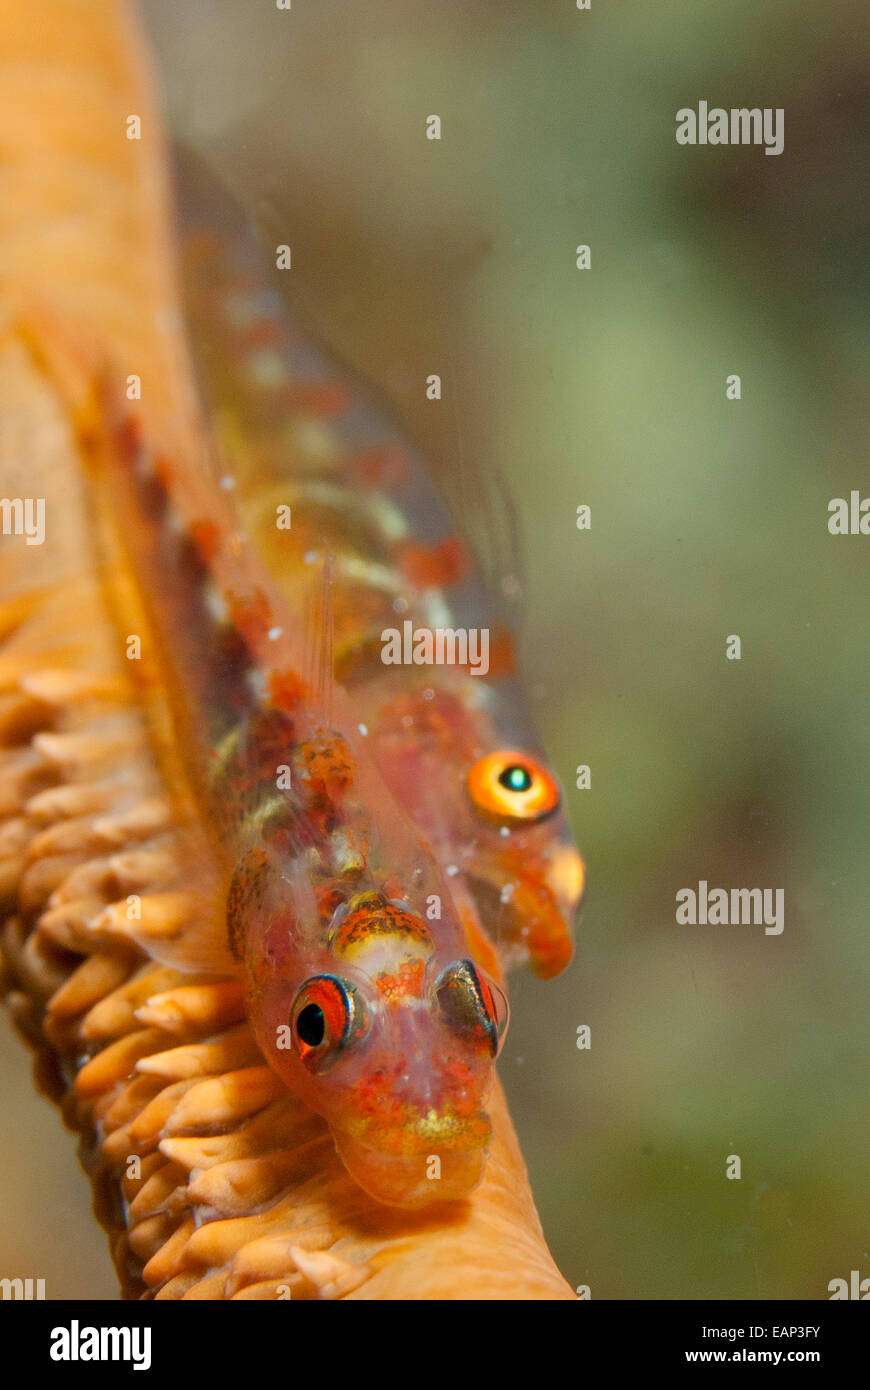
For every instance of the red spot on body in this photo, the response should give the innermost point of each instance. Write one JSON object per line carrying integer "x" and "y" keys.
{"x": 502, "y": 654}
{"x": 129, "y": 435}
{"x": 328, "y": 899}
{"x": 325, "y": 399}
{"x": 163, "y": 471}
{"x": 205, "y": 536}
{"x": 441, "y": 725}
{"x": 460, "y": 1083}
{"x": 385, "y": 468}
{"x": 270, "y": 742}
{"x": 328, "y": 767}
{"x": 434, "y": 566}
{"x": 374, "y": 1100}
{"x": 407, "y": 980}
{"x": 250, "y": 614}
{"x": 286, "y": 690}
{"x": 263, "y": 333}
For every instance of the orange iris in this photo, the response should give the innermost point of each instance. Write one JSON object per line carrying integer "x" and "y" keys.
{"x": 322, "y": 1018}
{"x": 512, "y": 786}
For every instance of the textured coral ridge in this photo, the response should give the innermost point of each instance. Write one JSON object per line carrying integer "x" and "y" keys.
{"x": 240, "y": 1192}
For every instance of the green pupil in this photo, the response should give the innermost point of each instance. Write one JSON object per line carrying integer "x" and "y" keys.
{"x": 516, "y": 779}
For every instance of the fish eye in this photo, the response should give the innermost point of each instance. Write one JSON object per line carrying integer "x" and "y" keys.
{"x": 509, "y": 786}
{"x": 328, "y": 1015}
{"x": 472, "y": 1005}
{"x": 515, "y": 778}
{"x": 311, "y": 1025}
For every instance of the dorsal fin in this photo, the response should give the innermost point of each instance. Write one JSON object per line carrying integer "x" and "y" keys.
{"x": 485, "y": 514}
{"x": 477, "y": 499}
{"x": 319, "y": 639}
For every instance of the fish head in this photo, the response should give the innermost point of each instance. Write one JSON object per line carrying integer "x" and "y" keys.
{"x": 390, "y": 1031}
{"x": 521, "y": 867}
{"x": 486, "y": 801}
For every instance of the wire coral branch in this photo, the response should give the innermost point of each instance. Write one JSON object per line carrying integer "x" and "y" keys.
{"x": 213, "y": 1180}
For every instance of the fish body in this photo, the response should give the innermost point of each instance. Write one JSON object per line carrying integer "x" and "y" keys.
{"x": 317, "y": 468}
{"x": 385, "y": 837}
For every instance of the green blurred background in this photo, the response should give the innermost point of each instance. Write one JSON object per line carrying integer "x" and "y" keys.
{"x": 709, "y": 517}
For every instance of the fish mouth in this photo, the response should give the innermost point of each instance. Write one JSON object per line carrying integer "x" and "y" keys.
{"x": 415, "y": 1132}
{"x": 411, "y": 1180}
{"x": 530, "y": 925}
